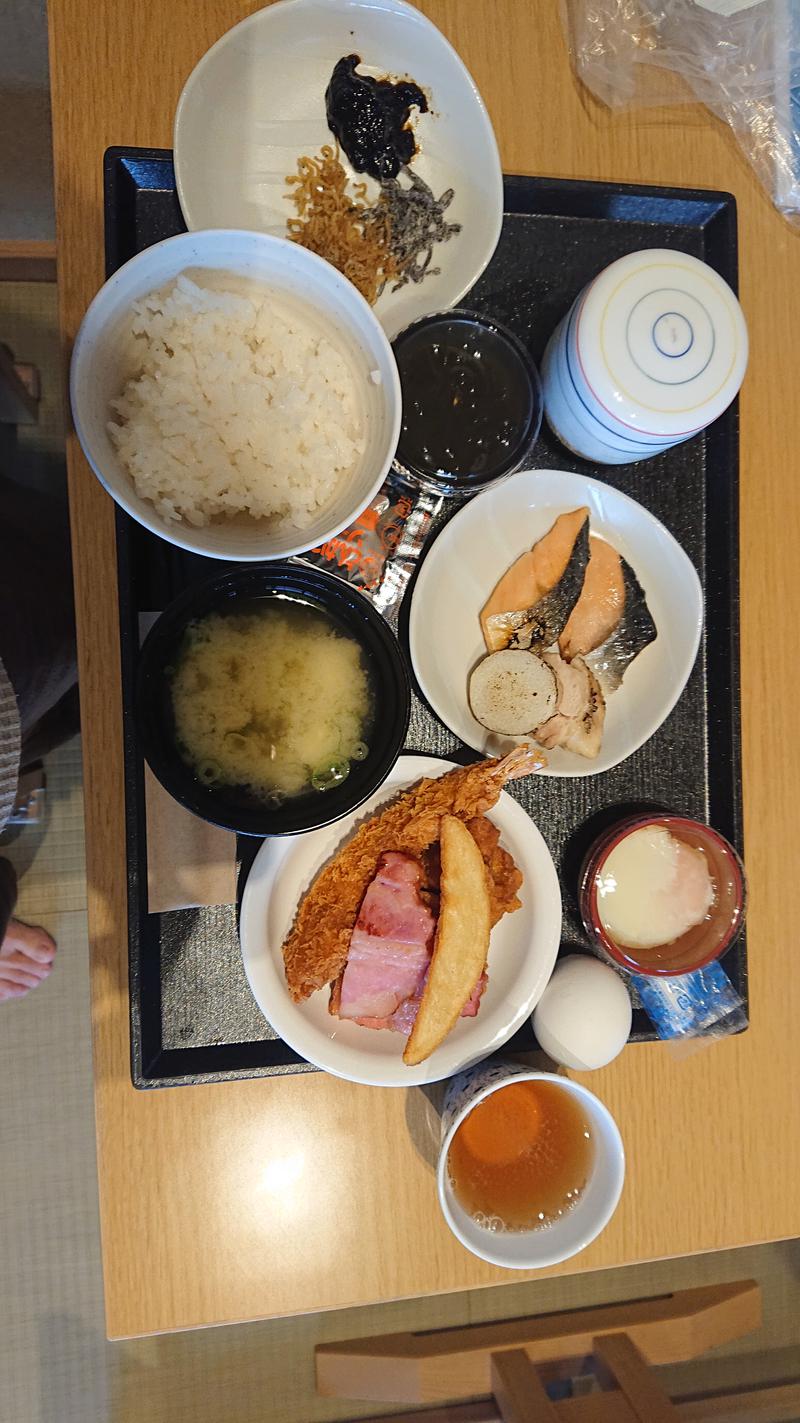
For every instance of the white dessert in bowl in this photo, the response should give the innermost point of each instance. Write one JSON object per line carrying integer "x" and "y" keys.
{"x": 662, "y": 894}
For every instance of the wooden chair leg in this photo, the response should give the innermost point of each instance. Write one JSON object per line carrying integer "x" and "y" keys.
{"x": 518, "y": 1391}
{"x": 618, "y": 1362}
{"x": 435, "y": 1365}
{"x": 775, "y": 1403}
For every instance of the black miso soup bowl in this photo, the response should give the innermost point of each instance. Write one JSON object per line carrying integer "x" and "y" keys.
{"x": 354, "y": 614}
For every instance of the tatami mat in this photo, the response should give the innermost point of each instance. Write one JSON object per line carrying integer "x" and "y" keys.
{"x": 29, "y": 327}
{"x": 49, "y": 857}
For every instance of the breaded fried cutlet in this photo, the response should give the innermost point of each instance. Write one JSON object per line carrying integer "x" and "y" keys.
{"x": 316, "y": 949}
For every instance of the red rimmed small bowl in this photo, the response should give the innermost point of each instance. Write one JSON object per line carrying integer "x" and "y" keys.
{"x": 699, "y": 945}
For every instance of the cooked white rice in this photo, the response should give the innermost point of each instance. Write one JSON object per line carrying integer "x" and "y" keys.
{"x": 240, "y": 404}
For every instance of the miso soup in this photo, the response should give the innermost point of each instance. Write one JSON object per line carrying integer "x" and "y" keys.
{"x": 274, "y": 698}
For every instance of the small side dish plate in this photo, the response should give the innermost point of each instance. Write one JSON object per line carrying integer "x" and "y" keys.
{"x": 476, "y": 548}
{"x": 522, "y": 953}
{"x": 255, "y": 103}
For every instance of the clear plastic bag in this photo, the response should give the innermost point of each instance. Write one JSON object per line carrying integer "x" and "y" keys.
{"x": 741, "y": 58}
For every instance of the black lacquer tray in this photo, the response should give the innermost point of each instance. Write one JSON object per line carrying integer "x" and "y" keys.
{"x": 193, "y": 1018}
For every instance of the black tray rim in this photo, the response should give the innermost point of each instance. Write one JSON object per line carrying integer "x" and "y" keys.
{"x": 152, "y": 1065}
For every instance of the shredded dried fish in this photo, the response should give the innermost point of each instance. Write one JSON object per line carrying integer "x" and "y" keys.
{"x": 390, "y": 240}
{"x": 416, "y": 224}
{"x": 339, "y": 225}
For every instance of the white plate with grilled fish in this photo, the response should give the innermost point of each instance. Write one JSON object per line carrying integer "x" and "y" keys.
{"x": 569, "y": 569}
{"x": 289, "y": 913}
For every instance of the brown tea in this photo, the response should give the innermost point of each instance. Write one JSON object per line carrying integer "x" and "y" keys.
{"x": 522, "y": 1157}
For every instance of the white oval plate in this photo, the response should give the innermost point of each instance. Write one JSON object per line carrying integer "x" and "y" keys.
{"x": 522, "y": 952}
{"x": 471, "y": 555}
{"x": 256, "y": 102}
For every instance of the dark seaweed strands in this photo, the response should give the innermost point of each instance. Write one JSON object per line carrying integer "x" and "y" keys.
{"x": 416, "y": 223}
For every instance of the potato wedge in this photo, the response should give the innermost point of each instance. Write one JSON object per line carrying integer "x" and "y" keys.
{"x": 461, "y": 944}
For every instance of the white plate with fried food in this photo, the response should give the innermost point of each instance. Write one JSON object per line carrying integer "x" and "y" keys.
{"x": 305, "y": 897}
{"x": 560, "y": 566}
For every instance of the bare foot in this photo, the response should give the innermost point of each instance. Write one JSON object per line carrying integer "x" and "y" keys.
{"x": 26, "y": 958}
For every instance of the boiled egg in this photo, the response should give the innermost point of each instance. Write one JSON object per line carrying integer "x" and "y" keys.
{"x": 583, "y": 1018}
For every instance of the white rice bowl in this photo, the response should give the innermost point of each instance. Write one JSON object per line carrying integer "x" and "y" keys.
{"x": 264, "y": 433}
{"x": 241, "y": 405}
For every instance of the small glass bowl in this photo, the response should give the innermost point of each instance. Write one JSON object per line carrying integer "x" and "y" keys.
{"x": 698, "y": 946}
{"x": 460, "y": 361}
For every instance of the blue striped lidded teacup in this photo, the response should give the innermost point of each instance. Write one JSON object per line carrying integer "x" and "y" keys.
{"x": 650, "y": 352}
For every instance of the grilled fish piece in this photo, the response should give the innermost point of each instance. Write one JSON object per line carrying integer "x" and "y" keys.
{"x": 542, "y": 623}
{"x": 600, "y": 606}
{"x": 578, "y": 721}
{"x": 633, "y": 633}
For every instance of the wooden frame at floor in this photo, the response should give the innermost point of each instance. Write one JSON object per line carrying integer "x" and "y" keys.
{"x": 771, "y": 1403}
{"x": 27, "y": 261}
{"x": 604, "y": 1357}
{"x": 434, "y": 1366}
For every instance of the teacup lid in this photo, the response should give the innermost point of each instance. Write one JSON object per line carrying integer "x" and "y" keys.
{"x": 662, "y": 342}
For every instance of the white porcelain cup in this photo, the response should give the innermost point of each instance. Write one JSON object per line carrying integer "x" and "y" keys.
{"x": 532, "y": 1249}
{"x": 650, "y": 352}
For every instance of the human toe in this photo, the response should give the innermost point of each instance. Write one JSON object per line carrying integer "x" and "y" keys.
{"x": 20, "y": 961}
{"x": 12, "y": 990}
{"x": 18, "y": 978}
{"x": 31, "y": 940}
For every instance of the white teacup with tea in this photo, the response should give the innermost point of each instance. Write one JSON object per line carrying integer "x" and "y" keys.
{"x": 531, "y": 1165}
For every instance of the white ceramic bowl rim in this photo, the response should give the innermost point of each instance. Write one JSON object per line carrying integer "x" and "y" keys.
{"x": 540, "y": 1257}
{"x": 598, "y": 371}
{"x": 103, "y": 312}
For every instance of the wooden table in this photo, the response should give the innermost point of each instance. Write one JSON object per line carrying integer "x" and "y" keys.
{"x": 250, "y": 1199}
